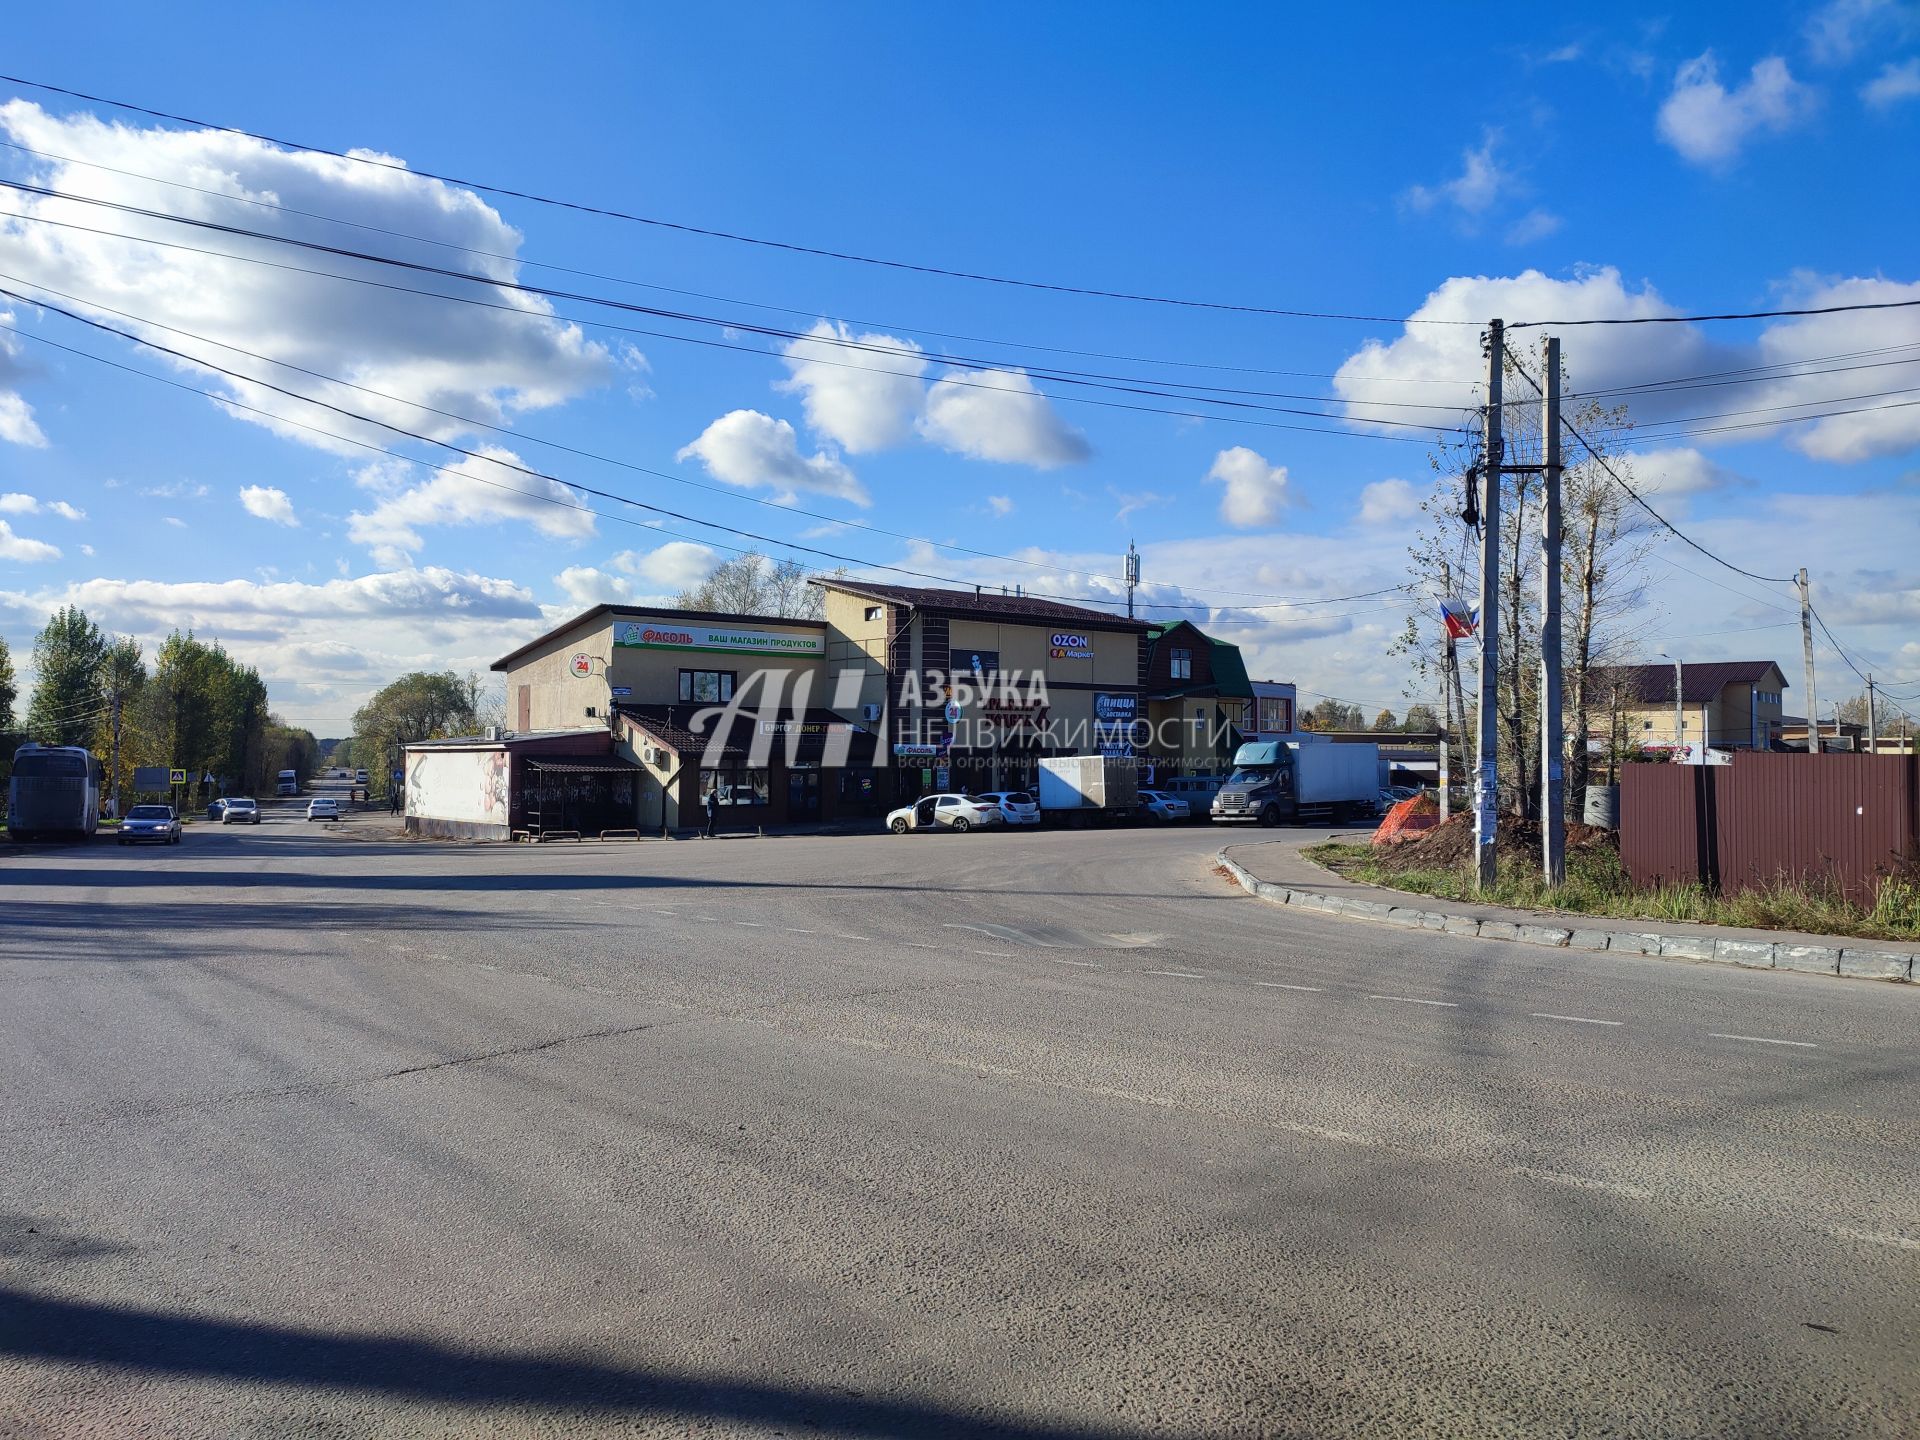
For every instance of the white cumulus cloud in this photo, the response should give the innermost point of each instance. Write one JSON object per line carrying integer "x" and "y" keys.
{"x": 1387, "y": 502}
{"x": 1680, "y": 470}
{"x": 66, "y": 511}
{"x": 1256, "y": 490}
{"x": 862, "y": 399}
{"x": 1710, "y": 124}
{"x": 488, "y": 364}
{"x": 584, "y": 585}
{"x": 749, "y": 449}
{"x": 1000, "y": 415}
{"x": 1879, "y": 426}
{"x": 675, "y": 566}
{"x": 20, "y": 548}
{"x": 1000, "y": 505}
{"x": 481, "y": 490}
{"x": 267, "y": 503}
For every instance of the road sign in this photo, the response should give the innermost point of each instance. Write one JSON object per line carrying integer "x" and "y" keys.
{"x": 176, "y": 777}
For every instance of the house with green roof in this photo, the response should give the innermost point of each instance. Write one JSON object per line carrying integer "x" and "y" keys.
{"x": 1199, "y": 699}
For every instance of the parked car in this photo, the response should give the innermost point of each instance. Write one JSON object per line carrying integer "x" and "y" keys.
{"x": 944, "y": 812}
{"x": 360, "y": 777}
{"x": 323, "y": 807}
{"x": 1164, "y": 807}
{"x": 1197, "y": 790}
{"x": 1016, "y": 807}
{"x": 150, "y": 822}
{"x": 240, "y": 812}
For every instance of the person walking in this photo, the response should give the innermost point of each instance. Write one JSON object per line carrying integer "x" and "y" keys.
{"x": 713, "y": 811}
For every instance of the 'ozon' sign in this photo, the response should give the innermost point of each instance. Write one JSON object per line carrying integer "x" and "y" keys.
{"x": 679, "y": 635}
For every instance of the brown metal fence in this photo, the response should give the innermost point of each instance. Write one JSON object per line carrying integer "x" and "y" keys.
{"x": 1769, "y": 817}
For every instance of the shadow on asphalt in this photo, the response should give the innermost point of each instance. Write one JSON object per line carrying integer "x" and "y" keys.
{"x": 124, "y": 922}
{"x": 155, "y": 1342}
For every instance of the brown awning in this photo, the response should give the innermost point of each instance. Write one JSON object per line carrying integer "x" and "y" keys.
{"x": 583, "y": 767}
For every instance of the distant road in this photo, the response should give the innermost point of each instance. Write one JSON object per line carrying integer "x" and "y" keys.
{"x": 1020, "y": 1135}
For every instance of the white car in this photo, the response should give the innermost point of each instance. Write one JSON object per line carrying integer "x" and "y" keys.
{"x": 240, "y": 812}
{"x": 323, "y": 807}
{"x": 1165, "y": 807}
{"x": 1016, "y": 807}
{"x": 945, "y": 812}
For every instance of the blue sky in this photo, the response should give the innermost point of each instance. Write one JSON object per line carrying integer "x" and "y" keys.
{"x": 1393, "y": 162}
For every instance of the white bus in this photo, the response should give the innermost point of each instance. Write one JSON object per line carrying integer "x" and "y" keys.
{"x": 55, "y": 791}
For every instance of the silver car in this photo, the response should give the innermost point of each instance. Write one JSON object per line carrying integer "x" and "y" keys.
{"x": 240, "y": 812}
{"x": 157, "y": 823}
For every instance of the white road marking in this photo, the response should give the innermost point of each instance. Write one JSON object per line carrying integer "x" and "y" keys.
{"x": 756, "y": 924}
{"x": 1410, "y": 1000}
{"x": 1281, "y": 985}
{"x": 920, "y": 944}
{"x": 996, "y": 954}
{"x": 794, "y": 930}
{"x": 1181, "y": 974}
{"x": 659, "y": 911}
{"x": 1763, "y": 1040}
{"x": 1576, "y": 1019}
{"x": 853, "y": 937}
{"x": 1898, "y": 1242}
{"x": 1084, "y": 964}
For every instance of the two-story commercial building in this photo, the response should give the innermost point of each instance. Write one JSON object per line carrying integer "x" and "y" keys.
{"x": 1725, "y": 704}
{"x": 896, "y": 691}
{"x": 1199, "y": 699}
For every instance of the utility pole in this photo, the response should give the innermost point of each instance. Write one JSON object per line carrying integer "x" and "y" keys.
{"x": 1806, "y": 646}
{"x": 1446, "y": 729}
{"x": 116, "y": 749}
{"x": 1873, "y": 725}
{"x": 1486, "y": 791}
{"x": 1553, "y": 784}
{"x": 1132, "y": 575}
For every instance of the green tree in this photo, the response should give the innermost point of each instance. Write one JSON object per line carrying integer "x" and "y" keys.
{"x": 1420, "y": 720}
{"x": 123, "y": 675}
{"x": 67, "y": 691}
{"x": 423, "y": 705}
{"x": 9, "y": 687}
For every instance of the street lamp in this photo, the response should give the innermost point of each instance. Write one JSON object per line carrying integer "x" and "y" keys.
{"x": 1679, "y": 716}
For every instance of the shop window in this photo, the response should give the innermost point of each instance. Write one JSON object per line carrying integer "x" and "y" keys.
{"x": 736, "y": 784}
{"x": 1182, "y": 664}
{"x": 706, "y": 687}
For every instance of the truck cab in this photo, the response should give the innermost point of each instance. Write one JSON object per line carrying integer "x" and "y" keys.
{"x": 1275, "y": 781}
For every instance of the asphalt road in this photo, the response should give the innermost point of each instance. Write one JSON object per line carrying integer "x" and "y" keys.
{"x": 1029, "y": 1135}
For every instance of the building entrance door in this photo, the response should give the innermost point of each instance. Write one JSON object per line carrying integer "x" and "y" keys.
{"x": 803, "y": 796}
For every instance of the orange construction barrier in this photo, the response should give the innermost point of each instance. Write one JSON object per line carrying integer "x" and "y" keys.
{"x": 1408, "y": 819}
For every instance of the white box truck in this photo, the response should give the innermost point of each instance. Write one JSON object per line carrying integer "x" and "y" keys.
{"x": 1080, "y": 788}
{"x": 1287, "y": 781}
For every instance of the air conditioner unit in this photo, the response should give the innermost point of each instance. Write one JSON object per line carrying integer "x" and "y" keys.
{"x": 651, "y": 755}
{"x": 869, "y": 712}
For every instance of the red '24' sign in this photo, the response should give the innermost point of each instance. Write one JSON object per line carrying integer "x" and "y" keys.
{"x": 582, "y": 665}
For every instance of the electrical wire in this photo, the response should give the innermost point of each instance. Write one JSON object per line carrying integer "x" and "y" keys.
{"x": 1640, "y": 499}
{"x": 623, "y": 464}
{"x": 548, "y": 317}
{"x": 813, "y": 312}
{"x": 756, "y": 537}
{"x": 708, "y": 232}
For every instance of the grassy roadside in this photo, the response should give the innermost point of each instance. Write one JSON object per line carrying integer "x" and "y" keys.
{"x": 1597, "y": 885}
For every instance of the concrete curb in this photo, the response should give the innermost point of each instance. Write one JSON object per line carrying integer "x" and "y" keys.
{"x": 1860, "y": 962}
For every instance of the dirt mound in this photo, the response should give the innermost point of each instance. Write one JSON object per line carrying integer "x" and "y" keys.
{"x": 1451, "y": 844}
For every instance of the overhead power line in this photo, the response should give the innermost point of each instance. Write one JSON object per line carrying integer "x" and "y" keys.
{"x": 1052, "y": 377}
{"x": 1640, "y": 499}
{"x": 478, "y": 424}
{"x": 713, "y": 233}
{"x": 570, "y": 485}
{"x": 813, "y": 312}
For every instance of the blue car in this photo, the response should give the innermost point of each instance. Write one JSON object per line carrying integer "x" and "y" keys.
{"x": 150, "y": 822}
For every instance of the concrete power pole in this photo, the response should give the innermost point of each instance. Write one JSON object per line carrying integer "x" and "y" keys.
{"x": 1446, "y": 730}
{"x": 116, "y": 750}
{"x": 1873, "y": 725}
{"x": 1553, "y": 783}
{"x": 1806, "y": 646}
{"x": 1486, "y": 790}
{"x": 1132, "y": 575}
